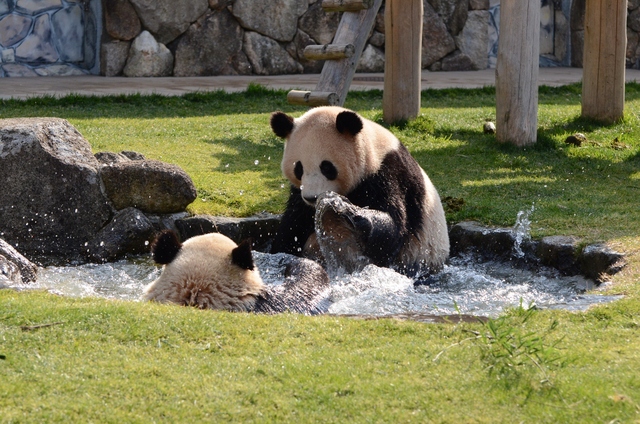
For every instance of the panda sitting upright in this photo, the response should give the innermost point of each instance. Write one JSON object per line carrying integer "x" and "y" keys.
{"x": 357, "y": 196}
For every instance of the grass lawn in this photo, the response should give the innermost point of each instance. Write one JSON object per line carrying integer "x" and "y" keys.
{"x": 112, "y": 361}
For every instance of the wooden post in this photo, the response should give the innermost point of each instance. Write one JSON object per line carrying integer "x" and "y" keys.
{"x": 403, "y": 60}
{"x": 517, "y": 72}
{"x": 605, "y": 43}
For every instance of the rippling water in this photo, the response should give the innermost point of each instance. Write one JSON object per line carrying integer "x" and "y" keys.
{"x": 464, "y": 286}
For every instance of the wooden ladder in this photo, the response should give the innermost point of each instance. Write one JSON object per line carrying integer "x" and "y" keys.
{"x": 341, "y": 57}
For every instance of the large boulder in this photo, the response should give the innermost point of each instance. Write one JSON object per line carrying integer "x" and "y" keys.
{"x": 268, "y": 57}
{"x": 277, "y": 19}
{"x": 148, "y": 58}
{"x": 473, "y": 40}
{"x": 212, "y": 46}
{"x": 149, "y": 185}
{"x": 51, "y": 202}
{"x": 436, "y": 40}
{"x": 320, "y": 25}
{"x": 120, "y": 20}
{"x": 167, "y": 19}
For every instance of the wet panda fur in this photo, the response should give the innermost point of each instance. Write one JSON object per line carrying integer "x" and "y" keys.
{"x": 211, "y": 271}
{"x": 353, "y": 179}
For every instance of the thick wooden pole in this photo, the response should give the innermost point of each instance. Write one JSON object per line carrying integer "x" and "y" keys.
{"x": 403, "y": 61}
{"x": 605, "y": 43}
{"x": 517, "y": 72}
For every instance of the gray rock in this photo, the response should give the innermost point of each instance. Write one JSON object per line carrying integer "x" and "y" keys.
{"x": 51, "y": 202}
{"x": 37, "y": 46}
{"x": 16, "y": 267}
{"x": 109, "y": 158}
{"x": 436, "y": 40}
{"x": 59, "y": 70}
{"x": 377, "y": 39}
{"x": 167, "y": 19}
{"x": 149, "y": 185}
{"x": 320, "y": 25}
{"x": 212, "y": 46}
{"x": 597, "y": 261}
{"x": 296, "y": 50}
{"x": 120, "y": 20}
{"x": 633, "y": 20}
{"x": 560, "y": 252}
{"x": 68, "y": 34}
{"x": 472, "y": 237}
{"x": 9, "y": 273}
{"x": 473, "y": 40}
{"x": 148, "y": 58}
{"x": 267, "y": 57}
{"x": 14, "y": 28}
{"x": 453, "y": 13}
{"x": 479, "y": 4}
{"x": 129, "y": 233}
{"x": 458, "y": 61}
{"x": 372, "y": 60}
{"x": 277, "y": 19}
{"x": 35, "y": 7}
{"x": 113, "y": 57}
{"x": 260, "y": 228}
{"x": 18, "y": 70}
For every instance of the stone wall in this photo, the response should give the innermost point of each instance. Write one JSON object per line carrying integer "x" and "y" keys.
{"x": 260, "y": 37}
{"x": 49, "y": 37}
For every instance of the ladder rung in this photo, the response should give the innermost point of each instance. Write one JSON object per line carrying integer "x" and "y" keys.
{"x": 312, "y": 98}
{"x": 329, "y": 51}
{"x": 346, "y": 5}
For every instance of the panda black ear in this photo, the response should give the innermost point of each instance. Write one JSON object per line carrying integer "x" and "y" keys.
{"x": 165, "y": 247}
{"x": 281, "y": 124}
{"x": 241, "y": 255}
{"x": 348, "y": 122}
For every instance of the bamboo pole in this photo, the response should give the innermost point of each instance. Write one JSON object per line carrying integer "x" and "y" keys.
{"x": 403, "y": 61}
{"x": 603, "y": 79}
{"x": 517, "y": 72}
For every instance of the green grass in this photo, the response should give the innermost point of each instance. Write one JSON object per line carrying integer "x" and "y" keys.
{"x": 110, "y": 361}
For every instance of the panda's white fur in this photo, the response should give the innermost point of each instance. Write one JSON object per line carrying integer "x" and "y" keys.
{"x": 360, "y": 151}
{"x": 211, "y": 271}
{"x": 203, "y": 274}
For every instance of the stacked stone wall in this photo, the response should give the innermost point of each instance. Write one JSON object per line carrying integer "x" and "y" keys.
{"x": 258, "y": 37}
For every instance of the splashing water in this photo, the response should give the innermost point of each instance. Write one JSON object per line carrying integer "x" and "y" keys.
{"x": 464, "y": 286}
{"x": 521, "y": 231}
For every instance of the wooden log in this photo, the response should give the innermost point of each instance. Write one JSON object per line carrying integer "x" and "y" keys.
{"x": 603, "y": 77}
{"x": 346, "y": 5}
{"x": 353, "y": 29}
{"x": 312, "y": 98}
{"x": 517, "y": 72}
{"x": 403, "y": 60}
{"x": 329, "y": 51}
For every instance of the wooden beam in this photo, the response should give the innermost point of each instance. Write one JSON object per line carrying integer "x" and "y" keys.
{"x": 329, "y": 51}
{"x": 337, "y": 75}
{"x": 403, "y": 59}
{"x": 517, "y": 72}
{"x": 346, "y": 5}
{"x": 312, "y": 98}
{"x": 603, "y": 78}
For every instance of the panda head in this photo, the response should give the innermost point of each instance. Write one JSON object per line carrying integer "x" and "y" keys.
{"x": 326, "y": 150}
{"x": 208, "y": 271}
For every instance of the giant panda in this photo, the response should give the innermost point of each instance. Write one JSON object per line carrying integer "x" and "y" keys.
{"x": 357, "y": 195}
{"x": 211, "y": 271}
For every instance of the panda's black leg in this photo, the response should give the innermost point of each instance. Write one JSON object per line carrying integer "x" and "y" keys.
{"x": 351, "y": 237}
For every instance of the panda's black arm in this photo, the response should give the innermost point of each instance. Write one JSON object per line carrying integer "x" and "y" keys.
{"x": 296, "y": 226}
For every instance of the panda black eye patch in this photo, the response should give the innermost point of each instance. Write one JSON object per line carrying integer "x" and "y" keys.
{"x": 328, "y": 170}
{"x": 298, "y": 171}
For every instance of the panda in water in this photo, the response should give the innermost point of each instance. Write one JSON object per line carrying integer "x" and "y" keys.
{"x": 357, "y": 196}
{"x": 210, "y": 271}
